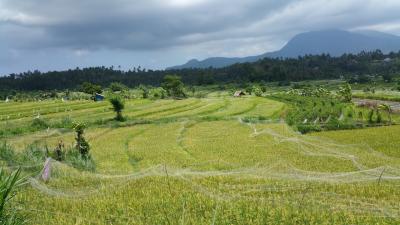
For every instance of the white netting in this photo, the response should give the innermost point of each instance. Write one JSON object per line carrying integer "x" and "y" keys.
{"x": 300, "y": 186}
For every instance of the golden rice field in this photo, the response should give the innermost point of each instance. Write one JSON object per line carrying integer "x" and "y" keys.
{"x": 200, "y": 161}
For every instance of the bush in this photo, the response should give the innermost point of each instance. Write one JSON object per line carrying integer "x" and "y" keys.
{"x": 116, "y": 86}
{"x": 159, "y": 93}
{"x": 257, "y": 91}
{"x": 90, "y": 88}
{"x": 75, "y": 159}
{"x": 145, "y": 91}
{"x": 345, "y": 93}
{"x": 307, "y": 128}
{"x": 82, "y": 145}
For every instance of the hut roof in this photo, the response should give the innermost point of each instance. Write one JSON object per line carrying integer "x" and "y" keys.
{"x": 239, "y": 93}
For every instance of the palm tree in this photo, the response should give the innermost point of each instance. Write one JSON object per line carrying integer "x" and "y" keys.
{"x": 118, "y": 106}
{"x": 388, "y": 109}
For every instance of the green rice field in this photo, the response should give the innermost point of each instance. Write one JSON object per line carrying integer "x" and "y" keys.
{"x": 214, "y": 160}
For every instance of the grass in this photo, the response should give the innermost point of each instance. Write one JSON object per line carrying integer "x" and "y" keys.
{"x": 216, "y": 160}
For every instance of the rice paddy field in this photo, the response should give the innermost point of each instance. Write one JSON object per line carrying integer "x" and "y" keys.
{"x": 388, "y": 95}
{"x": 215, "y": 160}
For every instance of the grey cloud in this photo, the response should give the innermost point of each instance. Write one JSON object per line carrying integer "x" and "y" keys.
{"x": 170, "y": 31}
{"x": 126, "y": 24}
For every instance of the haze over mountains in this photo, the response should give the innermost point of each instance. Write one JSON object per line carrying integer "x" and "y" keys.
{"x": 333, "y": 42}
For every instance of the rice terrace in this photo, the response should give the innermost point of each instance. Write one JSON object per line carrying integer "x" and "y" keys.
{"x": 217, "y": 159}
{"x": 199, "y": 112}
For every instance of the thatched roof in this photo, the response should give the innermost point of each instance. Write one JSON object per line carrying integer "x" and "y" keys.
{"x": 239, "y": 93}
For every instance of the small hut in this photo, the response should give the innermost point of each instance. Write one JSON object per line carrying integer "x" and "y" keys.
{"x": 239, "y": 94}
{"x": 387, "y": 60}
{"x": 98, "y": 97}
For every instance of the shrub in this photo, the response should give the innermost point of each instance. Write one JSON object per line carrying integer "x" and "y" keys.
{"x": 345, "y": 93}
{"x": 257, "y": 91}
{"x": 82, "y": 145}
{"x": 307, "y": 128}
{"x": 159, "y": 93}
{"x": 76, "y": 160}
{"x": 116, "y": 86}
{"x": 59, "y": 153}
{"x": 90, "y": 88}
{"x": 263, "y": 88}
{"x": 145, "y": 91}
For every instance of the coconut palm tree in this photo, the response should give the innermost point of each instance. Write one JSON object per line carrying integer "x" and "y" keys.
{"x": 388, "y": 109}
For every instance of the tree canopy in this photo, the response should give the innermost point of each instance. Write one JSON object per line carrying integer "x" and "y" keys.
{"x": 174, "y": 86}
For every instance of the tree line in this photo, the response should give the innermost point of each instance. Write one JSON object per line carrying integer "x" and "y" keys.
{"x": 353, "y": 67}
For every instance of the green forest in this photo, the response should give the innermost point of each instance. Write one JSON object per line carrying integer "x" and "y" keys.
{"x": 359, "y": 68}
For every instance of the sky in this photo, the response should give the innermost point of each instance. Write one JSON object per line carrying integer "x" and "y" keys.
{"x": 154, "y": 34}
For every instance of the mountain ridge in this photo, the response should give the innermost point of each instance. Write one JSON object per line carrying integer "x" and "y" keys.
{"x": 333, "y": 42}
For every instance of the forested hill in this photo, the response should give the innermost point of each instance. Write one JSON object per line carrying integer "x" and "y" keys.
{"x": 302, "y": 68}
{"x": 333, "y": 42}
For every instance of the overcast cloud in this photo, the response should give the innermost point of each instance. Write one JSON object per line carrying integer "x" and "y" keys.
{"x": 62, "y": 34}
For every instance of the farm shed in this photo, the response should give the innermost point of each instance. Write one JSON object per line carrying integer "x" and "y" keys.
{"x": 98, "y": 97}
{"x": 387, "y": 60}
{"x": 239, "y": 94}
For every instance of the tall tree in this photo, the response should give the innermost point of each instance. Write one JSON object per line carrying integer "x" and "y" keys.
{"x": 174, "y": 86}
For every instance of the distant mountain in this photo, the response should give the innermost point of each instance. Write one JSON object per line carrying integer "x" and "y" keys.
{"x": 333, "y": 42}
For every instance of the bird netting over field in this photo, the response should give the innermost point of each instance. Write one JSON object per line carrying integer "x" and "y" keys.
{"x": 210, "y": 165}
{"x": 230, "y": 161}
